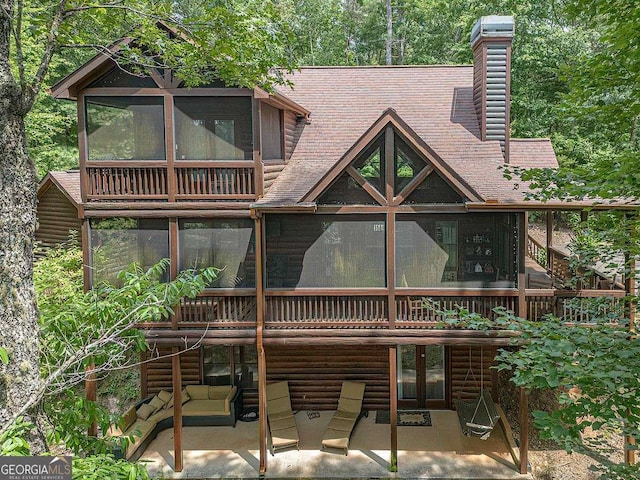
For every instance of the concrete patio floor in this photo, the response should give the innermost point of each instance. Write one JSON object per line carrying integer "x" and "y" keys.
{"x": 436, "y": 452}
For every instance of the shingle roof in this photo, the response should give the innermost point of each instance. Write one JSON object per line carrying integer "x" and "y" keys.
{"x": 435, "y": 101}
{"x": 532, "y": 153}
{"x": 68, "y": 182}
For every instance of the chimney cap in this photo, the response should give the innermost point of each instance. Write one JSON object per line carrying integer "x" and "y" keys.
{"x": 492, "y": 26}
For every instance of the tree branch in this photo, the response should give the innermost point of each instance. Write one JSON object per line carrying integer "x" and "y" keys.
{"x": 17, "y": 35}
{"x": 29, "y": 94}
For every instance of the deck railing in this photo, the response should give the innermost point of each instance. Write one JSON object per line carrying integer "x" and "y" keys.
{"x": 286, "y": 310}
{"x": 215, "y": 182}
{"x": 300, "y": 309}
{"x": 582, "y": 306}
{"x": 115, "y": 182}
{"x": 426, "y": 312}
{"x": 556, "y": 259}
{"x": 194, "y": 181}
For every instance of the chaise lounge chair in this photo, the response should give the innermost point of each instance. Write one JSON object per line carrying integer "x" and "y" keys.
{"x": 345, "y": 419}
{"x": 282, "y": 424}
{"x": 478, "y": 418}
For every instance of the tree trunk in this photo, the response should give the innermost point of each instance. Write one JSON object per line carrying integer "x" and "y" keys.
{"x": 389, "y": 38}
{"x": 20, "y": 378}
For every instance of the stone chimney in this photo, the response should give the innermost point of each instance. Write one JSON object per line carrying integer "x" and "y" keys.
{"x": 491, "y": 44}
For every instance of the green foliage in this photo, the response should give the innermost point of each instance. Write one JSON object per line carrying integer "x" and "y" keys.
{"x": 96, "y": 329}
{"x": 593, "y": 368}
{"x": 99, "y": 467}
{"x": 12, "y": 442}
{"x": 4, "y": 356}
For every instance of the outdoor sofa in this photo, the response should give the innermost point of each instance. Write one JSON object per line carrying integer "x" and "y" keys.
{"x": 202, "y": 405}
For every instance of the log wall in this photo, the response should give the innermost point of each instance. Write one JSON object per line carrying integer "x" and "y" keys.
{"x": 315, "y": 374}
{"x": 158, "y": 372}
{"x": 57, "y": 216}
{"x": 465, "y": 384}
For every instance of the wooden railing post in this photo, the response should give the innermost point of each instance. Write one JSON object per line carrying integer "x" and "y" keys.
{"x": 177, "y": 409}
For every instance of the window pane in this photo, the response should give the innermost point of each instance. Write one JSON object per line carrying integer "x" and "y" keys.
{"x": 346, "y": 191}
{"x": 125, "y": 128}
{"x": 467, "y": 250}
{"x": 228, "y": 244}
{"x": 217, "y": 365}
{"x": 118, "y": 242}
{"x": 325, "y": 251}
{"x": 213, "y": 128}
{"x": 371, "y": 165}
{"x": 246, "y": 365}
{"x": 434, "y": 190}
{"x": 407, "y": 164}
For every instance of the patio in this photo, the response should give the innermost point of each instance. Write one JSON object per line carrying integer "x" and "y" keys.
{"x": 437, "y": 452}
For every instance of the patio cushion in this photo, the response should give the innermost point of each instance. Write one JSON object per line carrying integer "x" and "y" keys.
{"x": 284, "y": 438}
{"x": 156, "y": 403}
{"x": 160, "y": 415}
{"x": 165, "y": 396}
{"x": 128, "y": 418}
{"x": 140, "y": 430}
{"x": 204, "y": 407}
{"x": 220, "y": 392}
{"x": 345, "y": 418}
{"x": 145, "y": 411}
{"x": 198, "y": 392}
{"x": 336, "y": 439}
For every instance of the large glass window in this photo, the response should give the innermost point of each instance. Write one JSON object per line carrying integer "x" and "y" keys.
{"x": 467, "y": 250}
{"x": 118, "y": 242}
{"x": 227, "y": 244}
{"x": 325, "y": 251}
{"x": 125, "y": 128}
{"x": 231, "y": 365}
{"x": 213, "y": 128}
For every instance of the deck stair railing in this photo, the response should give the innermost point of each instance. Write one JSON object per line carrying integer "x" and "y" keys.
{"x": 556, "y": 261}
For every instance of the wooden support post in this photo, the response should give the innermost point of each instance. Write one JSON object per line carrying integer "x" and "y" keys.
{"x": 177, "y": 409}
{"x": 91, "y": 393}
{"x": 257, "y": 147}
{"x": 389, "y": 151}
{"x": 522, "y": 252}
{"x": 630, "y": 288}
{"x": 549, "y": 237}
{"x": 524, "y": 431}
{"x": 262, "y": 363}
{"x": 170, "y": 148}
{"x": 393, "y": 408}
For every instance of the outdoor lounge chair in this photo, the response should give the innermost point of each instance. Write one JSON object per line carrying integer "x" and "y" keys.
{"x": 282, "y": 423}
{"x": 345, "y": 418}
{"x": 478, "y": 418}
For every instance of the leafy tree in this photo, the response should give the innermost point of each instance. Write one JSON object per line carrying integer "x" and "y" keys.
{"x": 241, "y": 40}
{"x": 593, "y": 370}
{"x": 93, "y": 329}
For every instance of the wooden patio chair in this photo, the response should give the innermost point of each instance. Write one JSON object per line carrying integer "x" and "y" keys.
{"x": 345, "y": 419}
{"x": 479, "y": 417}
{"x": 282, "y": 423}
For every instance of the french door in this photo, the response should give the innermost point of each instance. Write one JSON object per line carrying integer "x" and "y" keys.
{"x": 422, "y": 381}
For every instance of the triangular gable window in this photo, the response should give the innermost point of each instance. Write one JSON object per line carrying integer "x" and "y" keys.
{"x": 346, "y": 191}
{"x": 413, "y": 177}
{"x": 119, "y": 78}
{"x": 371, "y": 165}
{"x": 434, "y": 189}
{"x": 407, "y": 164}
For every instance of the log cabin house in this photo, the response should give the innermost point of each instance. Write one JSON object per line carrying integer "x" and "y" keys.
{"x": 334, "y": 206}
